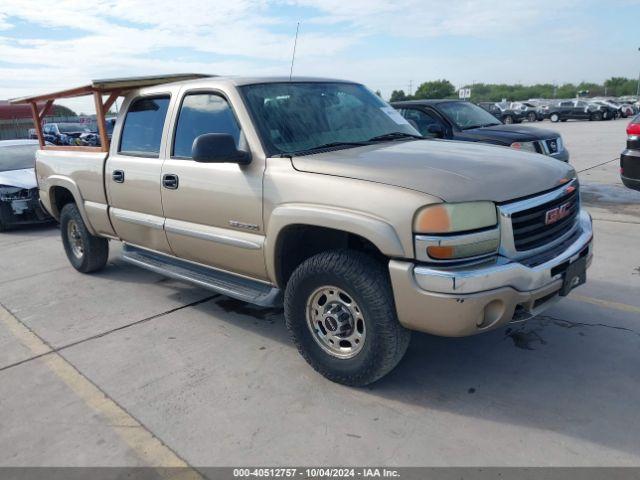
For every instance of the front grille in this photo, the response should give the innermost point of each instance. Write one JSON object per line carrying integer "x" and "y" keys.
{"x": 530, "y": 227}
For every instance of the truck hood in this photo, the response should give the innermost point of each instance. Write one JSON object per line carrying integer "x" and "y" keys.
{"x": 513, "y": 133}
{"x": 453, "y": 171}
{"x": 24, "y": 178}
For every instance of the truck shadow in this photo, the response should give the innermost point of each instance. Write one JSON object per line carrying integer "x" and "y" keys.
{"x": 553, "y": 373}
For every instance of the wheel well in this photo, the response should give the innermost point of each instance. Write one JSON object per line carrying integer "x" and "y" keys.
{"x": 59, "y": 197}
{"x": 296, "y": 243}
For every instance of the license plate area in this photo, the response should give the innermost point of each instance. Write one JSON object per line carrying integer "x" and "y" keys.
{"x": 574, "y": 276}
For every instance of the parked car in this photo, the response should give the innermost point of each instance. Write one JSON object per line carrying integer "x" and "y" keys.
{"x": 577, "y": 110}
{"x": 19, "y": 200}
{"x": 504, "y": 114}
{"x": 92, "y": 138}
{"x": 630, "y": 158}
{"x": 623, "y": 110}
{"x": 317, "y": 195}
{"x": 64, "y": 133}
{"x": 461, "y": 120}
{"x": 528, "y": 110}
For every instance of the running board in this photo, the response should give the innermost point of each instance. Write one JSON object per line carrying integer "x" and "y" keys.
{"x": 226, "y": 283}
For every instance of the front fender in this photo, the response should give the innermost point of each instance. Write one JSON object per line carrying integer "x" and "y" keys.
{"x": 372, "y": 228}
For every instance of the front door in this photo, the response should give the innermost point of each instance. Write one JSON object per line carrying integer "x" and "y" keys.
{"x": 213, "y": 211}
{"x": 132, "y": 174}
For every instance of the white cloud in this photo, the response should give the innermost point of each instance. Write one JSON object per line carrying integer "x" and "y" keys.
{"x": 76, "y": 40}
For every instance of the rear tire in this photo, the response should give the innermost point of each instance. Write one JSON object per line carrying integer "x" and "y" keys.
{"x": 507, "y": 119}
{"x": 597, "y": 116}
{"x": 85, "y": 252}
{"x": 357, "y": 288}
{"x": 532, "y": 117}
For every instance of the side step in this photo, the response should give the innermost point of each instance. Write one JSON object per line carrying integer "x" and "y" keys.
{"x": 225, "y": 283}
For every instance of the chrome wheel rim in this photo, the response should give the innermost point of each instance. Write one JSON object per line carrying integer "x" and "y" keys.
{"x": 75, "y": 239}
{"x": 336, "y": 322}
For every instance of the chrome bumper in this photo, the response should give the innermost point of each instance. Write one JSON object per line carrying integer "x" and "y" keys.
{"x": 469, "y": 300}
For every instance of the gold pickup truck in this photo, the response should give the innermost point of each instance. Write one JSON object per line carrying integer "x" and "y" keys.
{"x": 317, "y": 195}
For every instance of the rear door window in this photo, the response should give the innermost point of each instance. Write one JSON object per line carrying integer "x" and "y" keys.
{"x": 142, "y": 131}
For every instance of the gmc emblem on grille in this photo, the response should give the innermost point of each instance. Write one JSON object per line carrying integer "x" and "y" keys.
{"x": 558, "y": 213}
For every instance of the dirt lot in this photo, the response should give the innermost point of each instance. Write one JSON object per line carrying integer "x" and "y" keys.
{"x": 127, "y": 368}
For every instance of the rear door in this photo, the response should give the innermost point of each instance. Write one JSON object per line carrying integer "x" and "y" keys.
{"x": 213, "y": 210}
{"x": 133, "y": 170}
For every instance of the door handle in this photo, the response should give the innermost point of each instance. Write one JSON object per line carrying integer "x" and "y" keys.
{"x": 118, "y": 176}
{"x": 170, "y": 181}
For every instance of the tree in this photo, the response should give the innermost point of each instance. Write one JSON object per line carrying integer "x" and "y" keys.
{"x": 62, "y": 111}
{"x": 435, "y": 89}
{"x": 398, "y": 96}
{"x": 379, "y": 93}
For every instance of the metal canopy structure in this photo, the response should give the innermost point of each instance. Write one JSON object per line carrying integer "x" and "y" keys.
{"x": 111, "y": 87}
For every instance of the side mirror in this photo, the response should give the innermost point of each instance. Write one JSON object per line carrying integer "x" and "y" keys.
{"x": 436, "y": 129}
{"x": 218, "y": 148}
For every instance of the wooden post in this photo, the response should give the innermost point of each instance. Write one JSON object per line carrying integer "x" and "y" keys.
{"x": 37, "y": 123}
{"x": 102, "y": 128}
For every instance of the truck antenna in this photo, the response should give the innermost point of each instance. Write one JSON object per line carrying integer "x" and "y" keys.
{"x": 293, "y": 57}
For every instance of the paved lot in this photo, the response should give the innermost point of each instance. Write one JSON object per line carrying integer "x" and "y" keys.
{"x": 127, "y": 368}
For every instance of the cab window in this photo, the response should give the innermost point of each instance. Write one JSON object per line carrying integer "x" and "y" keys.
{"x": 420, "y": 120}
{"x": 203, "y": 113}
{"x": 142, "y": 130}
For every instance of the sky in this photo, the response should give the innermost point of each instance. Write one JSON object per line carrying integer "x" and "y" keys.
{"x": 387, "y": 45}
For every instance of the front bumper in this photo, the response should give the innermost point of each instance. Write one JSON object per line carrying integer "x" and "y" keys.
{"x": 23, "y": 211}
{"x": 457, "y": 302}
{"x": 562, "y": 155}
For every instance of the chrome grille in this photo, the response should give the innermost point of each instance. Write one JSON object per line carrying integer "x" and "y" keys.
{"x": 536, "y": 226}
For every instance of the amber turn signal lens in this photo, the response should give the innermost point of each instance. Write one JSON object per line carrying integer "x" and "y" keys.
{"x": 433, "y": 219}
{"x": 441, "y": 253}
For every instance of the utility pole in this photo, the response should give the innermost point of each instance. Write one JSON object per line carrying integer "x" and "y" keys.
{"x": 410, "y": 87}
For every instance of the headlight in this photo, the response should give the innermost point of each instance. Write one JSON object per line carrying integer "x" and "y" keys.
{"x": 456, "y": 231}
{"x": 455, "y": 217}
{"x": 525, "y": 146}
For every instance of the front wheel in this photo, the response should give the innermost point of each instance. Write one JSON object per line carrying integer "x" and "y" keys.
{"x": 87, "y": 253}
{"x": 340, "y": 312}
{"x": 532, "y": 117}
{"x": 508, "y": 119}
{"x": 554, "y": 117}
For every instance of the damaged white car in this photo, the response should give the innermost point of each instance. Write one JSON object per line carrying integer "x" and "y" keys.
{"x": 19, "y": 199}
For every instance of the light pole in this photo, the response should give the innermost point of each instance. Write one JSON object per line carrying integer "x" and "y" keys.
{"x": 638, "y": 89}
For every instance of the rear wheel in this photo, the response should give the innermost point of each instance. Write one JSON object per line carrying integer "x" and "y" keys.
{"x": 87, "y": 253}
{"x": 554, "y": 117}
{"x": 597, "y": 116}
{"x": 532, "y": 117}
{"x": 340, "y": 312}
{"x": 508, "y": 119}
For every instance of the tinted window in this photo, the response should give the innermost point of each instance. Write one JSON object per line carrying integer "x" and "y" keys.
{"x": 142, "y": 130}
{"x": 420, "y": 120}
{"x": 17, "y": 157}
{"x": 203, "y": 113}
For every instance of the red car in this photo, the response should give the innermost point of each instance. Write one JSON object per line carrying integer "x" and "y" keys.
{"x": 630, "y": 158}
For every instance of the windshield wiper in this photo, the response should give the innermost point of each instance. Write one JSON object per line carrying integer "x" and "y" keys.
{"x": 481, "y": 126}
{"x": 393, "y": 136}
{"x": 330, "y": 145}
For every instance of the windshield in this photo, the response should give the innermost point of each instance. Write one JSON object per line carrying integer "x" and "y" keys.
{"x": 72, "y": 128}
{"x": 466, "y": 115}
{"x": 17, "y": 157}
{"x": 295, "y": 116}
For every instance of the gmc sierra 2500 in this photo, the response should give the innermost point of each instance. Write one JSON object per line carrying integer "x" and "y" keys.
{"x": 318, "y": 195}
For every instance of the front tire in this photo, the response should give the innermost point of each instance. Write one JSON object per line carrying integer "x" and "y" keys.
{"x": 532, "y": 117}
{"x": 85, "y": 252}
{"x": 340, "y": 312}
{"x": 508, "y": 119}
{"x": 554, "y": 117}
